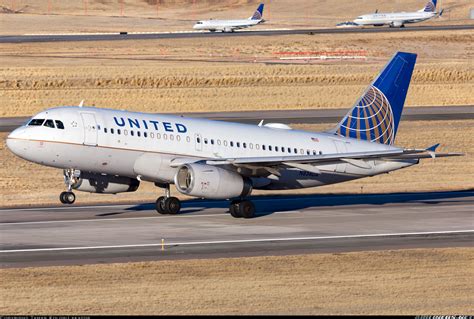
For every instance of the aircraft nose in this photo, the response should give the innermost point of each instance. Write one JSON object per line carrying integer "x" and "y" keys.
{"x": 15, "y": 141}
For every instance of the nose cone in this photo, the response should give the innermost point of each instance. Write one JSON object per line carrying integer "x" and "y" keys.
{"x": 16, "y": 141}
{"x": 195, "y": 27}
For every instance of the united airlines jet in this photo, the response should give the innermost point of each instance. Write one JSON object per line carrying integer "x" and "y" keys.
{"x": 231, "y": 25}
{"x": 111, "y": 151}
{"x": 399, "y": 19}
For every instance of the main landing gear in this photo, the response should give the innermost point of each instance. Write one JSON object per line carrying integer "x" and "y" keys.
{"x": 167, "y": 204}
{"x": 242, "y": 208}
{"x": 70, "y": 177}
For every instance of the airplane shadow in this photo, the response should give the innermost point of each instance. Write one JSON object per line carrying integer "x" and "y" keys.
{"x": 268, "y": 204}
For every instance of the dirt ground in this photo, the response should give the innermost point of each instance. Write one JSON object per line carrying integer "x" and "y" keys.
{"x": 223, "y": 74}
{"x": 54, "y": 16}
{"x": 25, "y": 183}
{"x": 418, "y": 281}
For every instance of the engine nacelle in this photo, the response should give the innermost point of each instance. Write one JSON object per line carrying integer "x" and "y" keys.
{"x": 106, "y": 184}
{"x": 201, "y": 180}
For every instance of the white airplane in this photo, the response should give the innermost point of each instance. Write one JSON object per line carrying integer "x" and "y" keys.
{"x": 231, "y": 25}
{"x": 111, "y": 151}
{"x": 399, "y": 19}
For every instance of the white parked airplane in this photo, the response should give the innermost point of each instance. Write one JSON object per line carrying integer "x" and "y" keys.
{"x": 231, "y": 25}
{"x": 399, "y": 19}
{"x": 111, "y": 151}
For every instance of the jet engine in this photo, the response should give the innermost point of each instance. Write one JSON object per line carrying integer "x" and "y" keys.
{"x": 201, "y": 180}
{"x": 106, "y": 184}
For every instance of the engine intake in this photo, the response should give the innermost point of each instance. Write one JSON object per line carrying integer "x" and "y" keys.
{"x": 201, "y": 180}
{"x": 106, "y": 184}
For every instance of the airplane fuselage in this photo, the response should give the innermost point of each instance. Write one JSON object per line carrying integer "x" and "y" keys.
{"x": 394, "y": 19}
{"x": 150, "y": 146}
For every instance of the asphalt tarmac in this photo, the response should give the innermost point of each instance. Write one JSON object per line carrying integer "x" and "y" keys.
{"x": 285, "y": 225}
{"x": 124, "y": 35}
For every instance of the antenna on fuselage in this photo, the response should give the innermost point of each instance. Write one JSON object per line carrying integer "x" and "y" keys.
{"x": 261, "y": 123}
{"x": 81, "y": 104}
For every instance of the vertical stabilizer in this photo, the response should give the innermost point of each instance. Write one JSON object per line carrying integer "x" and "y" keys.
{"x": 258, "y": 14}
{"x": 376, "y": 114}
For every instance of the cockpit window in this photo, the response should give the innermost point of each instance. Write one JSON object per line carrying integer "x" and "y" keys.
{"x": 199, "y": 22}
{"x": 59, "y": 125}
{"x": 360, "y": 17}
{"x": 49, "y": 123}
{"x": 36, "y": 122}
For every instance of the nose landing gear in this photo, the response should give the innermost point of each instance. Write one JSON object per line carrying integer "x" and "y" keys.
{"x": 70, "y": 178}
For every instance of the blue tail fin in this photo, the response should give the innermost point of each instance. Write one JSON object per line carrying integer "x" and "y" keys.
{"x": 258, "y": 14}
{"x": 430, "y": 6}
{"x": 376, "y": 114}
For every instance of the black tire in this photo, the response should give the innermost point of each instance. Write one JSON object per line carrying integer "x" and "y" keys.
{"x": 247, "y": 209}
{"x": 67, "y": 197}
{"x": 160, "y": 205}
{"x": 234, "y": 210}
{"x": 172, "y": 205}
{"x": 61, "y": 197}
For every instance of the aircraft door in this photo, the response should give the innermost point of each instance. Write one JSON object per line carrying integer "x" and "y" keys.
{"x": 90, "y": 129}
{"x": 198, "y": 141}
{"x": 340, "y": 148}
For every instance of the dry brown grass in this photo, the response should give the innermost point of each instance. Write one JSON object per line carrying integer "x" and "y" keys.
{"x": 25, "y": 183}
{"x": 418, "y": 281}
{"x": 215, "y": 74}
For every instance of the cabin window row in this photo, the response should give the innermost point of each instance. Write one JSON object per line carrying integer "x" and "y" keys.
{"x": 264, "y": 147}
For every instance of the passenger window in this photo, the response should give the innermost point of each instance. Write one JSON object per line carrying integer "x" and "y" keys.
{"x": 212, "y": 141}
{"x": 171, "y": 137}
{"x": 188, "y": 139}
{"x": 165, "y": 136}
{"x": 138, "y": 133}
{"x": 238, "y": 144}
{"x": 244, "y": 145}
{"x": 36, "y": 122}
{"x": 269, "y": 147}
{"x": 198, "y": 140}
{"x": 314, "y": 153}
{"x": 308, "y": 152}
{"x": 296, "y": 151}
{"x": 276, "y": 148}
{"x": 257, "y": 146}
{"x": 218, "y": 142}
{"x": 158, "y": 136}
{"x": 205, "y": 141}
{"x": 152, "y": 135}
{"x": 251, "y": 146}
{"x": 49, "y": 123}
{"x": 302, "y": 151}
{"x": 112, "y": 131}
{"x": 119, "y": 131}
{"x": 59, "y": 125}
{"x": 145, "y": 134}
{"x": 132, "y": 133}
{"x": 125, "y": 132}
{"x": 178, "y": 138}
{"x": 263, "y": 147}
{"x": 225, "y": 143}
{"x": 105, "y": 130}
{"x": 289, "y": 150}
{"x": 231, "y": 144}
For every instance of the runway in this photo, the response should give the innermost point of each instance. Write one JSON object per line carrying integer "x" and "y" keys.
{"x": 285, "y": 225}
{"x": 124, "y": 35}
{"x": 8, "y": 124}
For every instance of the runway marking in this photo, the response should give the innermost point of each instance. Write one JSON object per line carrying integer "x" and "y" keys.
{"x": 238, "y": 241}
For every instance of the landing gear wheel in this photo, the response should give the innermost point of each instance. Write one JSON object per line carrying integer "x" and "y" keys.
{"x": 172, "y": 205}
{"x": 234, "y": 209}
{"x": 246, "y": 209}
{"x": 67, "y": 197}
{"x": 160, "y": 205}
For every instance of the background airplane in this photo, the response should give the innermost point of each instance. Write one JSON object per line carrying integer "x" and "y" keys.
{"x": 231, "y": 25}
{"x": 112, "y": 151}
{"x": 399, "y": 19}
